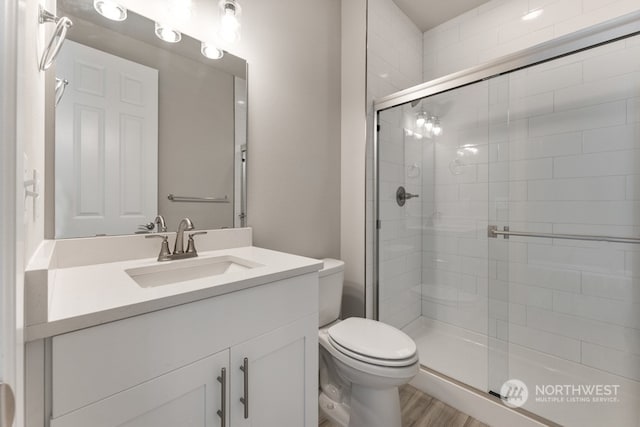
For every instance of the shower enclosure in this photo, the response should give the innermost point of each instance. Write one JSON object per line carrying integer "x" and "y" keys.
{"x": 508, "y": 225}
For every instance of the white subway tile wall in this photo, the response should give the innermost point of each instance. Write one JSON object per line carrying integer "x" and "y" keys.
{"x": 496, "y": 29}
{"x": 394, "y": 62}
{"x": 565, "y": 138}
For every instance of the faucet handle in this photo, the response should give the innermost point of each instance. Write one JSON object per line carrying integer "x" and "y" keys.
{"x": 165, "y": 253}
{"x": 146, "y": 227}
{"x": 191, "y": 246}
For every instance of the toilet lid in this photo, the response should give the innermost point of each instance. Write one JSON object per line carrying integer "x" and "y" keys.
{"x": 372, "y": 339}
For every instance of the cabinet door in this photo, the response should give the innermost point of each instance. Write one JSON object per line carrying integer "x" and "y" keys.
{"x": 282, "y": 378}
{"x": 188, "y": 397}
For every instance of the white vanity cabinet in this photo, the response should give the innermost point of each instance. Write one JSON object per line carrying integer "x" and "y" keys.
{"x": 164, "y": 368}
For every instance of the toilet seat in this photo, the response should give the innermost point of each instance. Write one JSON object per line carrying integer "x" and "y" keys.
{"x": 373, "y": 342}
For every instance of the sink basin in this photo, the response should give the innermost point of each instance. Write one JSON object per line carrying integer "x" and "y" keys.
{"x": 191, "y": 269}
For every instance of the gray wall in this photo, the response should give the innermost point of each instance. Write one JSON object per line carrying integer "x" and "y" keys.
{"x": 293, "y": 51}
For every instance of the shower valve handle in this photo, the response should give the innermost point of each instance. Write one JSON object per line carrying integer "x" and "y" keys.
{"x": 402, "y": 196}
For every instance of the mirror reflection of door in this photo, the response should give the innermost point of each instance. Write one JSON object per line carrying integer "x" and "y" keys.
{"x": 106, "y": 143}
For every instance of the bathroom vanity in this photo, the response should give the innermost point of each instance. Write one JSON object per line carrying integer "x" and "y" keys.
{"x": 225, "y": 348}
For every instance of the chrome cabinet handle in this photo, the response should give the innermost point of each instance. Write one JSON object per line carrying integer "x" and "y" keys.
{"x": 245, "y": 399}
{"x": 222, "y": 413}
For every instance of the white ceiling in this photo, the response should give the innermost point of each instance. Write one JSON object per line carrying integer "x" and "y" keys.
{"x": 427, "y": 14}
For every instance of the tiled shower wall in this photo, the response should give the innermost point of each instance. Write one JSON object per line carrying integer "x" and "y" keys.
{"x": 455, "y": 266}
{"x": 564, "y": 143}
{"x": 496, "y": 29}
{"x": 394, "y": 62}
{"x": 569, "y": 162}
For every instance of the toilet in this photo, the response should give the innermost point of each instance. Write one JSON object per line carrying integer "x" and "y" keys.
{"x": 362, "y": 361}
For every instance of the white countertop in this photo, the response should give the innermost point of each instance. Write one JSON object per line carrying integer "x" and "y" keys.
{"x": 84, "y": 296}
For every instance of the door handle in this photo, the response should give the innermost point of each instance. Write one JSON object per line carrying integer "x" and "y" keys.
{"x": 222, "y": 413}
{"x": 245, "y": 398}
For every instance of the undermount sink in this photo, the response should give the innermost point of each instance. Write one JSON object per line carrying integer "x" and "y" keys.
{"x": 185, "y": 270}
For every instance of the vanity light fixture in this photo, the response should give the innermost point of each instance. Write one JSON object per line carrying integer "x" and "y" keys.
{"x": 229, "y": 24}
{"x": 167, "y": 33}
{"x": 110, "y": 9}
{"x": 211, "y": 51}
{"x": 533, "y": 14}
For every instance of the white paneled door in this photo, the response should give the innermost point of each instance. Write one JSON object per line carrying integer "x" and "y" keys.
{"x": 106, "y": 144}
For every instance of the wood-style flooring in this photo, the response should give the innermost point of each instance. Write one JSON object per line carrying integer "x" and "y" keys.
{"x": 422, "y": 410}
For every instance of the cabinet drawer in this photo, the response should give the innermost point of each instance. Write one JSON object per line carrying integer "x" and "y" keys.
{"x": 94, "y": 363}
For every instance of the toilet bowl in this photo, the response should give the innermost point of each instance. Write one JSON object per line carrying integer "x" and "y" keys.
{"x": 362, "y": 361}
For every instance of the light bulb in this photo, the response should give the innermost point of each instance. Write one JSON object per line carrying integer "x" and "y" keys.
{"x": 211, "y": 51}
{"x": 167, "y": 33}
{"x": 429, "y": 124}
{"x": 110, "y": 10}
{"x": 437, "y": 129}
{"x": 229, "y": 25}
{"x": 420, "y": 120}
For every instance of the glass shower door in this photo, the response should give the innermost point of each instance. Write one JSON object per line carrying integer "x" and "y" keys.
{"x": 564, "y": 166}
{"x": 433, "y": 262}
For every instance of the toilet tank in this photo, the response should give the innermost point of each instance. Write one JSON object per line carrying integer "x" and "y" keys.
{"x": 330, "y": 290}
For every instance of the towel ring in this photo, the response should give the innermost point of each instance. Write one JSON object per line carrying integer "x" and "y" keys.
{"x": 58, "y": 37}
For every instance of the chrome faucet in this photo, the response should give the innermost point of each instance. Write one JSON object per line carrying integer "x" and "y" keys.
{"x": 185, "y": 225}
{"x": 161, "y": 226}
{"x": 178, "y": 248}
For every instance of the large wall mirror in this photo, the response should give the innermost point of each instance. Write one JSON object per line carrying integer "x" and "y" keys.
{"x": 142, "y": 127}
